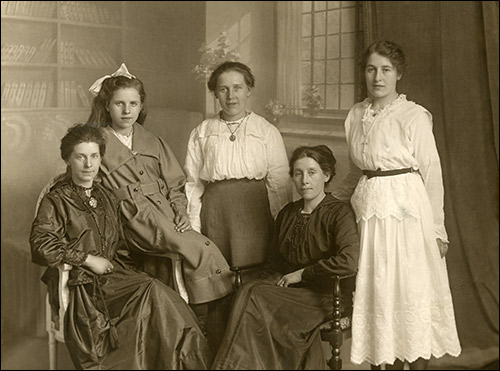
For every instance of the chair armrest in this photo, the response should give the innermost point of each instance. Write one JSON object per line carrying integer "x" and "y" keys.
{"x": 238, "y": 270}
{"x": 63, "y": 288}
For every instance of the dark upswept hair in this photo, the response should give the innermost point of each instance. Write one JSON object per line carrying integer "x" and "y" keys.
{"x": 99, "y": 115}
{"x": 231, "y": 66}
{"x": 389, "y": 50}
{"x": 321, "y": 154}
{"x": 82, "y": 133}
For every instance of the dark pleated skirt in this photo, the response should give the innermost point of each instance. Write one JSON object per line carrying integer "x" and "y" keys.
{"x": 236, "y": 216}
{"x": 274, "y": 328}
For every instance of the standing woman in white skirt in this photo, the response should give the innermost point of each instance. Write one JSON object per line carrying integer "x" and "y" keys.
{"x": 403, "y": 310}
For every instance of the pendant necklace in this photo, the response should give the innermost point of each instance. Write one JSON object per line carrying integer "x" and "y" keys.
{"x": 232, "y": 137}
{"x": 92, "y": 203}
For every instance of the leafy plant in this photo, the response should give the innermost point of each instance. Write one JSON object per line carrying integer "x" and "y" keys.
{"x": 313, "y": 98}
{"x": 212, "y": 57}
{"x": 275, "y": 108}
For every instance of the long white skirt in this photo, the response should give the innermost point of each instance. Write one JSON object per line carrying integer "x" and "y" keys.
{"x": 402, "y": 305}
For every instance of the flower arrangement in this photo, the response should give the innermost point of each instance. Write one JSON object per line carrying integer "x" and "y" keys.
{"x": 211, "y": 58}
{"x": 276, "y": 109}
{"x": 313, "y": 99}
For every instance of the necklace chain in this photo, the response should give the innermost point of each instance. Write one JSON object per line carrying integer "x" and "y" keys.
{"x": 232, "y": 137}
{"x": 102, "y": 233}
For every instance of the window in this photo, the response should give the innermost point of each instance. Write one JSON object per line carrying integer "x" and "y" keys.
{"x": 328, "y": 55}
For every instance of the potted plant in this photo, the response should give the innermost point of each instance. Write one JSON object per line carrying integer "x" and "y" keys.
{"x": 211, "y": 57}
{"x": 275, "y": 109}
{"x": 313, "y": 99}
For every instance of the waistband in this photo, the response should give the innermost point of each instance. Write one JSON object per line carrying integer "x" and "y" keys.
{"x": 378, "y": 172}
{"x": 134, "y": 189}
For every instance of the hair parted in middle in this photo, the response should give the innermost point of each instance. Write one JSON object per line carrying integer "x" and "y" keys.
{"x": 82, "y": 133}
{"x": 99, "y": 116}
{"x": 321, "y": 154}
{"x": 231, "y": 66}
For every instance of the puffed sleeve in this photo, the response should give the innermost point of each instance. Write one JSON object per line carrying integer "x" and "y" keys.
{"x": 427, "y": 156}
{"x": 49, "y": 247}
{"x": 277, "y": 179}
{"x": 194, "y": 185}
{"x": 342, "y": 226}
{"x": 173, "y": 175}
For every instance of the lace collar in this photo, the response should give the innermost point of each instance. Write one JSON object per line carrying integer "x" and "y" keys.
{"x": 370, "y": 115}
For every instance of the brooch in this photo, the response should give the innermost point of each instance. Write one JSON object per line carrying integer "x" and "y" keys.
{"x": 93, "y": 202}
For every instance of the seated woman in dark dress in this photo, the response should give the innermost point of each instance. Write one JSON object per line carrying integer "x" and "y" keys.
{"x": 117, "y": 318}
{"x": 274, "y": 322}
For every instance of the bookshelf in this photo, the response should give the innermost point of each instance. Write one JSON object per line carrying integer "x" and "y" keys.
{"x": 52, "y": 51}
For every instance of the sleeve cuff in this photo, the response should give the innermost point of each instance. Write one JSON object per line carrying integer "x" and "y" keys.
{"x": 76, "y": 258}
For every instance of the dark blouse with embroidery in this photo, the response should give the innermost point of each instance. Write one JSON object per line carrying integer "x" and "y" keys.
{"x": 325, "y": 242}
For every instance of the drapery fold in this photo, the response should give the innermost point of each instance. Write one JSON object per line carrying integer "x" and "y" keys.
{"x": 289, "y": 43}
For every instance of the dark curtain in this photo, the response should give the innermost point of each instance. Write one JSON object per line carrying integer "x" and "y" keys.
{"x": 452, "y": 52}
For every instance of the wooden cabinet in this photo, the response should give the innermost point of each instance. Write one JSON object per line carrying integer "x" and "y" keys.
{"x": 52, "y": 51}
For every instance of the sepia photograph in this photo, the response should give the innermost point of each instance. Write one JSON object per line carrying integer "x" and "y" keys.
{"x": 250, "y": 185}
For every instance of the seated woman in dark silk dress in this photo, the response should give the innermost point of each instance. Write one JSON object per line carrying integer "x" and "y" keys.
{"x": 117, "y": 318}
{"x": 274, "y": 322}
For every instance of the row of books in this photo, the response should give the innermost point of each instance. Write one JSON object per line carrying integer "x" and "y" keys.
{"x": 32, "y": 94}
{"x": 71, "y": 95}
{"x": 27, "y": 53}
{"x": 71, "y": 55}
{"x": 42, "y": 9}
{"x": 84, "y": 11}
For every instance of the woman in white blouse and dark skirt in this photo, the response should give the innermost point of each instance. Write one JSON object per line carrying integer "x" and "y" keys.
{"x": 237, "y": 171}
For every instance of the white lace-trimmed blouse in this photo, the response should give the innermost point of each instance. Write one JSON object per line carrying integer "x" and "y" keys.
{"x": 258, "y": 152}
{"x": 396, "y": 137}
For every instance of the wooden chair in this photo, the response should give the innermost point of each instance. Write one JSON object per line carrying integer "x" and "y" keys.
{"x": 338, "y": 329}
{"x": 334, "y": 331}
{"x": 55, "y": 316}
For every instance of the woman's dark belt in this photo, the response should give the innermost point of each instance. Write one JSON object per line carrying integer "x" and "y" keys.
{"x": 378, "y": 172}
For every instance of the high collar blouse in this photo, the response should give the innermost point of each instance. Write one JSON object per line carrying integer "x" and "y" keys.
{"x": 258, "y": 152}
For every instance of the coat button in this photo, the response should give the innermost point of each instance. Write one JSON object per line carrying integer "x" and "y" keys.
{"x": 218, "y": 271}
{"x": 136, "y": 189}
{"x": 207, "y": 243}
{"x": 141, "y": 172}
{"x": 158, "y": 202}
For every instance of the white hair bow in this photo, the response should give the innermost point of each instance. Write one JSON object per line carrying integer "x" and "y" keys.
{"x": 122, "y": 71}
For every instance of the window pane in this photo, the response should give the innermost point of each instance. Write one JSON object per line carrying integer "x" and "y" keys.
{"x": 333, "y": 47}
{"x": 319, "y": 5}
{"x": 347, "y": 42}
{"x": 322, "y": 93}
{"x": 320, "y": 23}
{"x": 347, "y": 70}
{"x": 319, "y": 73}
{"x": 348, "y": 20}
{"x": 306, "y": 24}
{"x": 333, "y": 22}
{"x": 332, "y": 72}
{"x": 346, "y": 96}
{"x": 306, "y": 6}
{"x": 319, "y": 47}
{"x": 333, "y": 4}
{"x": 306, "y": 48}
{"x": 332, "y": 97}
{"x": 347, "y": 4}
{"x": 306, "y": 73}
